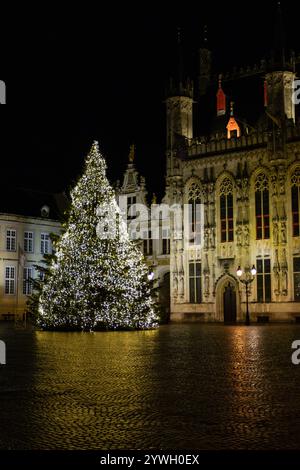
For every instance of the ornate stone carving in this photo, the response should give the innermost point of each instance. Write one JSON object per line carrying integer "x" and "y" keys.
{"x": 206, "y": 238}
{"x": 273, "y": 179}
{"x": 281, "y": 182}
{"x": 284, "y": 273}
{"x": 276, "y": 272}
{"x": 246, "y": 235}
{"x": 239, "y": 235}
{"x": 212, "y": 238}
{"x": 295, "y": 180}
{"x": 243, "y": 235}
{"x": 275, "y": 233}
{"x": 206, "y": 273}
{"x": 262, "y": 182}
{"x": 194, "y": 192}
{"x": 226, "y": 187}
{"x": 181, "y": 286}
{"x": 283, "y": 233}
{"x": 175, "y": 286}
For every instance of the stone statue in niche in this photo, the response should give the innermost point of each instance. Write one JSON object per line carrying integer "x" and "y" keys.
{"x": 206, "y": 238}
{"x": 284, "y": 282}
{"x": 182, "y": 262}
{"x": 245, "y": 235}
{"x": 178, "y": 262}
{"x": 284, "y": 273}
{"x": 274, "y": 185}
{"x": 239, "y": 194}
{"x": 206, "y": 285}
{"x": 283, "y": 233}
{"x": 181, "y": 286}
{"x": 212, "y": 237}
{"x": 175, "y": 286}
{"x": 275, "y": 233}
{"x": 281, "y": 182}
{"x": 239, "y": 232}
{"x": 276, "y": 269}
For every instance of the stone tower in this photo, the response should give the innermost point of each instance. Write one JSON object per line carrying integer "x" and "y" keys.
{"x": 179, "y": 108}
{"x": 279, "y": 89}
{"x": 279, "y": 79}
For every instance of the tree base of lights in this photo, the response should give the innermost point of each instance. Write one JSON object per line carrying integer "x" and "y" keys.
{"x": 97, "y": 280}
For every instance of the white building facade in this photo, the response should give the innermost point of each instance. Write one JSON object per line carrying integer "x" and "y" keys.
{"x": 23, "y": 242}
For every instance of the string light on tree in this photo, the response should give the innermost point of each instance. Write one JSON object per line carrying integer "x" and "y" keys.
{"x": 95, "y": 280}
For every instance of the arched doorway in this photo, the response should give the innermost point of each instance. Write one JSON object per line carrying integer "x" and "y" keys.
{"x": 229, "y": 303}
{"x": 227, "y": 299}
{"x": 164, "y": 298}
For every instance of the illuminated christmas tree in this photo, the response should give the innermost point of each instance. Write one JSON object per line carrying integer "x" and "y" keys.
{"x": 98, "y": 276}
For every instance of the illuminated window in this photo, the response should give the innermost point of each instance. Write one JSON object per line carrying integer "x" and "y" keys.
{"x": 296, "y": 202}
{"x": 27, "y": 281}
{"x": 195, "y": 282}
{"x": 194, "y": 200}
{"x": 11, "y": 240}
{"x": 296, "y": 265}
{"x": 10, "y": 280}
{"x": 28, "y": 242}
{"x": 45, "y": 243}
{"x": 226, "y": 210}
{"x": 263, "y": 280}
{"x": 262, "y": 207}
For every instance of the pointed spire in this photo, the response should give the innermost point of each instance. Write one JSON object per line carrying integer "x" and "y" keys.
{"x": 204, "y": 62}
{"x": 278, "y": 59}
{"x": 180, "y": 54}
{"x": 281, "y": 36}
{"x": 205, "y": 36}
{"x": 221, "y": 99}
{"x": 180, "y": 84}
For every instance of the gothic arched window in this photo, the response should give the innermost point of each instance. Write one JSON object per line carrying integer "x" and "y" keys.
{"x": 262, "y": 207}
{"x": 194, "y": 200}
{"x": 295, "y": 183}
{"x": 226, "y": 210}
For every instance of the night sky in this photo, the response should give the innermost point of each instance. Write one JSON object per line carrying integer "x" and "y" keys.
{"x": 100, "y": 74}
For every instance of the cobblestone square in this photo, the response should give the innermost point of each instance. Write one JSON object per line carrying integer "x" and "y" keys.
{"x": 179, "y": 387}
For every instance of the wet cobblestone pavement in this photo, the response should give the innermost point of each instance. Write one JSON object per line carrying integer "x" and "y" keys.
{"x": 181, "y": 387}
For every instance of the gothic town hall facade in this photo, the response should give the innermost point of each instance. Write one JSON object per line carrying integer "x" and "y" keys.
{"x": 245, "y": 174}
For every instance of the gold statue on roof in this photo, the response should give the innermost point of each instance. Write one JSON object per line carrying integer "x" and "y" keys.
{"x": 131, "y": 155}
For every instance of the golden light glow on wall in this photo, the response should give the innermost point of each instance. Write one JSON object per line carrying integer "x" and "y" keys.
{"x": 233, "y": 129}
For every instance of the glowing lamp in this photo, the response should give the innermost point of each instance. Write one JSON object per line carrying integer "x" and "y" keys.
{"x": 239, "y": 271}
{"x": 253, "y": 270}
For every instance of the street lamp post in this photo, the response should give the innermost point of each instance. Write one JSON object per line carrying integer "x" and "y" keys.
{"x": 249, "y": 276}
